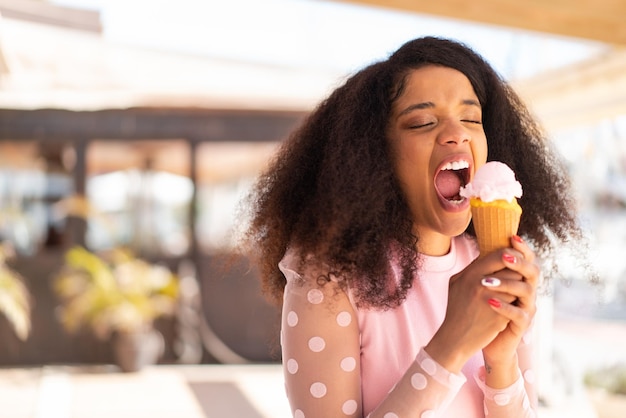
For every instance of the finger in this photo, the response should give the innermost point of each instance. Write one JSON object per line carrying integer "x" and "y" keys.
{"x": 506, "y": 274}
{"x": 519, "y": 318}
{"x": 510, "y": 290}
{"x": 520, "y": 245}
{"x": 528, "y": 269}
{"x": 481, "y": 267}
{"x": 491, "y": 282}
{"x": 497, "y": 262}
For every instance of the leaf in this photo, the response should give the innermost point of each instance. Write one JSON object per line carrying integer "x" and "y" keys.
{"x": 121, "y": 292}
{"x": 15, "y": 301}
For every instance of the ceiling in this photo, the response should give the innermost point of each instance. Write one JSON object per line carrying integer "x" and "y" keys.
{"x": 598, "y": 20}
{"x": 39, "y": 66}
{"x": 582, "y": 93}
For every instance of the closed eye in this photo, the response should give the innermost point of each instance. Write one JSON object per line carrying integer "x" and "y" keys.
{"x": 477, "y": 122}
{"x": 423, "y": 125}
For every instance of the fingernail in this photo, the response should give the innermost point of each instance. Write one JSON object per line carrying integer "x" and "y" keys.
{"x": 509, "y": 258}
{"x": 490, "y": 282}
{"x": 517, "y": 238}
{"x": 494, "y": 302}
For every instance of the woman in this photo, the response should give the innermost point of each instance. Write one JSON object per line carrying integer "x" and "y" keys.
{"x": 386, "y": 310}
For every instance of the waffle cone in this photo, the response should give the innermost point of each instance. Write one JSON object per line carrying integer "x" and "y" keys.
{"x": 495, "y": 223}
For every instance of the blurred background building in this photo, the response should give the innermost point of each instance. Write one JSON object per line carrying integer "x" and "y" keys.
{"x": 141, "y": 124}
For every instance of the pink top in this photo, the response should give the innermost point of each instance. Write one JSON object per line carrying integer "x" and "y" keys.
{"x": 370, "y": 363}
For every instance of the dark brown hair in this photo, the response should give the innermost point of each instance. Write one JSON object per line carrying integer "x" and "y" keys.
{"x": 331, "y": 190}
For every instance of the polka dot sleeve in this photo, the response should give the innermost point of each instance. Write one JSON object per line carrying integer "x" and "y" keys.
{"x": 518, "y": 400}
{"x": 321, "y": 350}
{"x": 425, "y": 389}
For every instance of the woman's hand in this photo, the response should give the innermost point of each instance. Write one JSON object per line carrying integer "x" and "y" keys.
{"x": 472, "y": 322}
{"x": 520, "y": 260}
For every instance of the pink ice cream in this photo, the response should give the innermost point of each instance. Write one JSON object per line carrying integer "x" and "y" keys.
{"x": 493, "y": 181}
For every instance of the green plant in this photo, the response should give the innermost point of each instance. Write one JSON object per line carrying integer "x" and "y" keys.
{"x": 611, "y": 379}
{"x": 114, "y": 292}
{"x": 15, "y": 301}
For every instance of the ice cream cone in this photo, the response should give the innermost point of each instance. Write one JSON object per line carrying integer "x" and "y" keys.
{"x": 493, "y": 194}
{"x": 494, "y": 223}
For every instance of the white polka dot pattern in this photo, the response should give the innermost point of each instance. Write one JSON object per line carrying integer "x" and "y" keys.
{"x": 452, "y": 379}
{"x": 315, "y": 296}
{"x": 322, "y": 360}
{"x": 418, "y": 381}
{"x": 292, "y": 366}
{"x": 318, "y": 390}
{"x": 292, "y": 319}
{"x": 348, "y": 364}
{"x": 502, "y": 399}
{"x": 317, "y": 344}
{"x": 349, "y": 407}
{"x": 529, "y": 376}
{"x": 344, "y": 319}
{"x": 429, "y": 366}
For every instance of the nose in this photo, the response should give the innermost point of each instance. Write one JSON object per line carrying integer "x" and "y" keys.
{"x": 454, "y": 133}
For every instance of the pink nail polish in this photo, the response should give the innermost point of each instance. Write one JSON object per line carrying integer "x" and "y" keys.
{"x": 494, "y": 302}
{"x": 517, "y": 238}
{"x": 509, "y": 258}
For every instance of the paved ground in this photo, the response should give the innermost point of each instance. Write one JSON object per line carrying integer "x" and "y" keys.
{"x": 205, "y": 391}
{"x": 167, "y": 392}
{"x": 256, "y": 391}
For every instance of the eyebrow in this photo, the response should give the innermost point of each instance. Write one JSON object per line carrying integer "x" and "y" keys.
{"x": 430, "y": 105}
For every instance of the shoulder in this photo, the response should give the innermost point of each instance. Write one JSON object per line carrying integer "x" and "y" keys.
{"x": 289, "y": 265}
{"x": 310, "y": 279}
{"x": 297, "y": 267}
{"x": 306, "y": 270}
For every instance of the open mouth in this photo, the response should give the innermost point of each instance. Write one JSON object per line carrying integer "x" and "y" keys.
{"x": 450, "y": 178}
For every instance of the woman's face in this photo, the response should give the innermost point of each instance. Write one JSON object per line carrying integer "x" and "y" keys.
{"x": 437, "y": 142}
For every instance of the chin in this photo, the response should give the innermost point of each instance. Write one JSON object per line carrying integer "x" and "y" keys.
{"x": 458, "y": 228}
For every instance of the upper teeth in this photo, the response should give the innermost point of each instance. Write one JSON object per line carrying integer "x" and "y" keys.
{"x": 456, "y": 165}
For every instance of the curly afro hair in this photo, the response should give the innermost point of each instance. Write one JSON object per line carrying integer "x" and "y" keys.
{"x": 331, "y": 190}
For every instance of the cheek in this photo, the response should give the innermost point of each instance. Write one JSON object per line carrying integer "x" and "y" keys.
{"x": 410, "y": 165}
{"x": 479, "y": 150}
{"x": 413, "y": 151}
{"x": 412, "y": 175}
{"x": 410, "y": 159}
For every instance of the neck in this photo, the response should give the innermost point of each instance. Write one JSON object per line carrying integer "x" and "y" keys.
{"x": 433, "y": 243}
